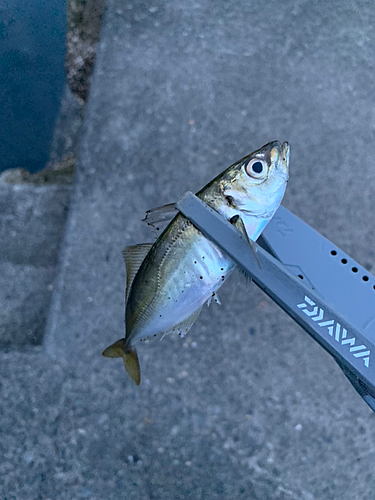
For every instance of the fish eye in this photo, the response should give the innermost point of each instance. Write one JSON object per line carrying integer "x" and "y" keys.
{"x": 256, "y": 168}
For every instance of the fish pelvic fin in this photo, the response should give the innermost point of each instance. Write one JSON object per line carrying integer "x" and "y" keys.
{"x": 129, "y": 355}
{"x": 214, "y": 297}
{"x": 133, "y": 257}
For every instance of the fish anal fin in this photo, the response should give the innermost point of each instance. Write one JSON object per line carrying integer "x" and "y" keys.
{"x": 159, "y": 218}
{"x": 129, "y": 356}
{"x": 184, "y": 326}
{"x": 133, "y": 258}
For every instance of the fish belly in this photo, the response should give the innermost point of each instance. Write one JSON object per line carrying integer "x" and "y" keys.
{"x": 188, "y": 269}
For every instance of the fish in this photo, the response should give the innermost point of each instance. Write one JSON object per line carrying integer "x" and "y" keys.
{"x": 169, "y": 281}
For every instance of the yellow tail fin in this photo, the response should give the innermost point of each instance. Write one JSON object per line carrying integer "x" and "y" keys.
{"x": 129, "y": 356}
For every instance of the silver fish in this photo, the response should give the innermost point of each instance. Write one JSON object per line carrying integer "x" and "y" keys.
{"x": 168, "y": 282}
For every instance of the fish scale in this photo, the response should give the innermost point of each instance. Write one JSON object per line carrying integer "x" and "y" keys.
{"x": 181, "y": 289}
{"x": 211, "y": 263}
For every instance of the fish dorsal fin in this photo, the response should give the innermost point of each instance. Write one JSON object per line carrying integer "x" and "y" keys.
{"x": 159, "y": 218}
{"x": 133, "y": 258}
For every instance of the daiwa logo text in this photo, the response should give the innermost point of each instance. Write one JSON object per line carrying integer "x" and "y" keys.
{"x": 335, "y": 330}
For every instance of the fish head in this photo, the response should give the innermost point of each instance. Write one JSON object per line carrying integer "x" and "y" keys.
{"x": 252, "y": 188}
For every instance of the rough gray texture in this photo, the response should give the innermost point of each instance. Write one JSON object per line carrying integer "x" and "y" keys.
{"x": 32, "y": 220}
{"x": 25, "y": 296}
{"x": 83, "y": 29}
{"x": 247, "y": 406}
{"x": 67, "y": 134}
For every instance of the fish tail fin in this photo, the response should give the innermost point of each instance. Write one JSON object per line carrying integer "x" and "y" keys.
{"x": 129, "y": 355}
{"x": 132, "y": 367}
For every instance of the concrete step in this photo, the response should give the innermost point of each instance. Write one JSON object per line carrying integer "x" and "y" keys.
{"x": 33, "y": 211}
{"x": 32, "y": 221}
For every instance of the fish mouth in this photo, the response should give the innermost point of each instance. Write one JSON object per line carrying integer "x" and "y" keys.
{"x": 281, "y": 153}
{"x": 285, "y": 152}
{"x": 276, "y": 152}
{"x": 278, "y": 156}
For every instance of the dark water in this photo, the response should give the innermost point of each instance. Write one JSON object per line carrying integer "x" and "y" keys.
{"x": 32, "y": 50}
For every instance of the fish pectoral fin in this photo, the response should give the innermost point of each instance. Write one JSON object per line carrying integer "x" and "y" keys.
{"x": 238, "y": 223}
{"x": 129, "y": 356}
{"x": 159, "y": 218}
{"x": 184, "y": 326}
{"x": 133, "y": 257}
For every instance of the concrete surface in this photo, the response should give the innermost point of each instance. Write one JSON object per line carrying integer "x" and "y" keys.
{"x": 84, "y": 21}
{"x": 32, "y": 220}
{"x": 67, "y": 134}
{"x": 246, "y": 406}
